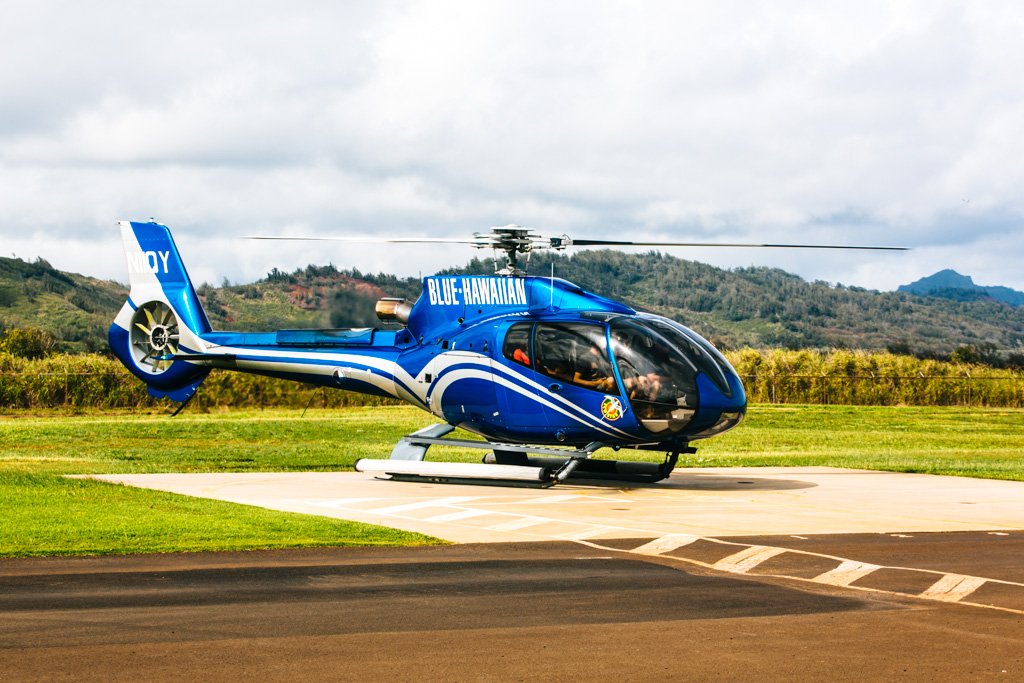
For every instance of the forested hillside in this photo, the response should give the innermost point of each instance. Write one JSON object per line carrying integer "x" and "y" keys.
{"x": 758, "y": 307}
{"x": 766, "y": 307}
{"x": 76, "y": 310}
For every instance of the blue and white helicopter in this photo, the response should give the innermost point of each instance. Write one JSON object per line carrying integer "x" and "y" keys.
{"x": 545, "y": 372}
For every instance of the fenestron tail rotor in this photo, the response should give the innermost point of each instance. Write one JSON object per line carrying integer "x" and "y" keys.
{"x": 154, "y": 337}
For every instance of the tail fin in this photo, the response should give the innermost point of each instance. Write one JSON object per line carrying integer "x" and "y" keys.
{"x": 162, "y": 317}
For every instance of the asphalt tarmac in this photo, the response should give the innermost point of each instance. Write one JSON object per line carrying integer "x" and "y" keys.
{"x": 613, "y": 609}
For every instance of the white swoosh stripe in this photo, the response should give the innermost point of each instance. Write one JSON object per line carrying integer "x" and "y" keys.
{"x": 457, "y": 375}
{"x": 484, "y": 361}
{"x": 381, "y": 382}
{"x": 391, "y": 367}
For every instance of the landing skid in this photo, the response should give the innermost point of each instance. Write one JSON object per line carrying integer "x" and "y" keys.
{"x": 509, "y": 464}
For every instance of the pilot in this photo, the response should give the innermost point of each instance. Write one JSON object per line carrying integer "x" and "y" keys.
{"x": 645, "y": 387}
{"x": 642, "y": 387}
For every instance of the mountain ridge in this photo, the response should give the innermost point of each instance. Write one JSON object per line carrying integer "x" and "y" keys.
{"x": 758, "y": 307}
{"x": 949, "y": 284}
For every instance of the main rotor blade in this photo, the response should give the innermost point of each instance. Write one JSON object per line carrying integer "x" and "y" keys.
{"x": 369, "y": 240}
{"x": 621, "y": 243}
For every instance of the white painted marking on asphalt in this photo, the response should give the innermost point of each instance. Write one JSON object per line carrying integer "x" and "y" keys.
{"x": 432, "y": 502}
{"x": 665, "y": 544}
{"x": 332, "y": 503}
{"x": 520, "y": 523}
{"x": 846, "y": 573}
{"x": 998, "y": 533}
{"x": 953, "y": 587}
{"x": 849, "y": 571}
{"x": 456, "y": 516}
{"x": 585, "y": 533}
{"x": 748, "y": 558}
{"x": 547, "y": 500}
{"x": 802, "y": 538}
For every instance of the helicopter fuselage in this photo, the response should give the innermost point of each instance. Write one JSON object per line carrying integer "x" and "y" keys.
{"x": 530, "y": 360}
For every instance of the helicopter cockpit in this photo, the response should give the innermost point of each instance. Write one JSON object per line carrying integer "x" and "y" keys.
{"x": 657, "y": 360}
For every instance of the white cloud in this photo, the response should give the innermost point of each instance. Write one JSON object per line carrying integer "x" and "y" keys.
{"x": 870, "y": 123}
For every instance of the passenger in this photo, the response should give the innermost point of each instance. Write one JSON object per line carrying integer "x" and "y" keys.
{"x": 556, "y": 368}
{"x": 642, "y": 387}
{"x": 519, "y": 356}
{"x": 645, "y": 387}
{"x": 591, "y": 374}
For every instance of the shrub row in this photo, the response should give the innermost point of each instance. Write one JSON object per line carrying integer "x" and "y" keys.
{"x": 775, "y": 376}
{"x": 93, "y": 381}
{"x": 862, "y": 378}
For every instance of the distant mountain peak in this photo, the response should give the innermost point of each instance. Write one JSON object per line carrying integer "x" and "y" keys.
{"x": 944, "y": 279}
{"x": 949, "y": 284}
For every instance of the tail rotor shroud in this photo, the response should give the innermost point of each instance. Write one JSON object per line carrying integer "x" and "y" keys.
{"x": 154, "y": 337}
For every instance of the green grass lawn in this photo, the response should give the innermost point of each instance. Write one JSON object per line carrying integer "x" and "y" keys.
{"x": 973, "y": 442}
{"x": 43, "y": 513}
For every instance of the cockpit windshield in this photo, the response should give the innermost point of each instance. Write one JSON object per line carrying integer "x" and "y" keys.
{"x": 659, "y": 380}
{"x": 696, "y": 350}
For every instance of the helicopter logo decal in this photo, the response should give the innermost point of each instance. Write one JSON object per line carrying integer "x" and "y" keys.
{"x": 611, "y": 408}
{"x": 476, "y": 291}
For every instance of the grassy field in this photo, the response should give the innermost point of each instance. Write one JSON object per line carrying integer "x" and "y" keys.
{"x": 43, "y": 513}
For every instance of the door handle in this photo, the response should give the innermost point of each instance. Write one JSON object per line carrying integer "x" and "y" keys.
{"x": 554, "y": 387}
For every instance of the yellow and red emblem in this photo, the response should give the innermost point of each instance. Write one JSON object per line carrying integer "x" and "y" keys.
{"x": 611, "y": 408}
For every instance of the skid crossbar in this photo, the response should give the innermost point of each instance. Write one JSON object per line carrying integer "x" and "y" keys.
{"x": 509, "y": 464}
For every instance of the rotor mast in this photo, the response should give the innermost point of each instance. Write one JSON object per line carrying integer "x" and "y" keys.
{"x": 515, "y": 240}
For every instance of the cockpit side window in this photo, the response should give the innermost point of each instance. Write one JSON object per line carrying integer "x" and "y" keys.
{"x": 576, "y": 353}
{"x": 517, "y": 344}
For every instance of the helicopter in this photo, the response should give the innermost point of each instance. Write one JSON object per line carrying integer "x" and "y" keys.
{"x": 544, "y": 371}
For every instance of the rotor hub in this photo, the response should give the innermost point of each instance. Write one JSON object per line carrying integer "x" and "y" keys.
{"x": 158, "y": 338}
{"x": 514, "y": 240}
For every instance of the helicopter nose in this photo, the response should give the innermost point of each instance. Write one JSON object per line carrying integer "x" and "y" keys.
{"x": 718, "y": 412}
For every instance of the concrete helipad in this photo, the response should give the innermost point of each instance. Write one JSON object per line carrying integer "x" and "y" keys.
{"x": 715, "y": 574}
{"x": 718, "y": 502}
{"x": 731, "y": 520}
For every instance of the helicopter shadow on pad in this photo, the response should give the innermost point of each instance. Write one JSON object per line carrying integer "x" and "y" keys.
{"x": 684, "y": 481}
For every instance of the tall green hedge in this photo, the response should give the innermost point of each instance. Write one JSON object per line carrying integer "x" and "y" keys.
{"x": 862, "y": 378}
{"x": 93, "y": 381}
{"x": 774, "y": 376}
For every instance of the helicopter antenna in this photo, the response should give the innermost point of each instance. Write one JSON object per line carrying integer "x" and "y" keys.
{"x": 551, "y": 289}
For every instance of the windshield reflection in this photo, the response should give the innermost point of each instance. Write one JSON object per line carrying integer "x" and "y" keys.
{"x": 659, "y": 380}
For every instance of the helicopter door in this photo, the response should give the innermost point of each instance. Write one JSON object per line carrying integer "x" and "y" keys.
{"x": 521, "y": 413}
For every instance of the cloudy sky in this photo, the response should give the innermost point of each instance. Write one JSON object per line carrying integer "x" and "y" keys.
{"x": 857, "y": 122}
